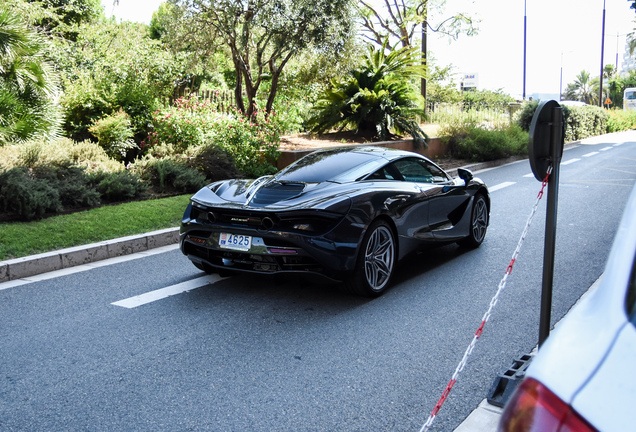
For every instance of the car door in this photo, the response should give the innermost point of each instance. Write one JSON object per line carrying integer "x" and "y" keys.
{"x": 446, "y": 202}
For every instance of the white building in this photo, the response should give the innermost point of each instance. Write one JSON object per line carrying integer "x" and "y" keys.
{"x": 629, "y": 61}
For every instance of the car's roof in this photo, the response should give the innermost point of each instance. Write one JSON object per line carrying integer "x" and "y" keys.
{"x": 340, "y": 163}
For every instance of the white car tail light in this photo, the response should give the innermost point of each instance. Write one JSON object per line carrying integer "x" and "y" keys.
{"x": 534, "y": 408}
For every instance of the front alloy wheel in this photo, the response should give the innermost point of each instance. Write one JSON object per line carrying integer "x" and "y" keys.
{"x": 478, "y": 223}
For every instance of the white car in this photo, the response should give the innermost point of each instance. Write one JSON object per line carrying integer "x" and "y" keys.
{"x": 584, "y": 376}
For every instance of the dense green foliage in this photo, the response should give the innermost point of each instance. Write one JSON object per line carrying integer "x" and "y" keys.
{"x": 27, "y": 82}
{"x": 265, "y": 36}
{"x": 583, "y": 122}
{"x": 27, "y": 194}
{"x": 620, "y": 120}
{"x": 113, "y": 67}
{"x": 580, "y": 121}
{"x": 114, "y": 134}
{"x": 168, "y": 176}
{"x": 471, "y": 142}
{"x": 189, "y": 124}
{"x": 375, "y": 99}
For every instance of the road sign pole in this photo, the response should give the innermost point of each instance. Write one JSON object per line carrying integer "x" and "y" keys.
{"x": 556, "y": 149}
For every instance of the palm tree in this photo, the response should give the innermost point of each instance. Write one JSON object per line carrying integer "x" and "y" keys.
{"x": 582, "y": 89}
{"x": 27, "y": 83}
{"x": 376, "y": 98}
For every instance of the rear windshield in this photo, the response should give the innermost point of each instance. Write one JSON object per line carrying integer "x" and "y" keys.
{"x": 324, "y": 166}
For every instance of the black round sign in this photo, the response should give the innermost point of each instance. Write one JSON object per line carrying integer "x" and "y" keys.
{"x": 539, "y": 149}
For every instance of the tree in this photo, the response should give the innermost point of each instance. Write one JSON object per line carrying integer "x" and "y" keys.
{"x": 375, "y": 98}
{"x": 64, "y": 16}
{"x": 404, "y": 18}
{"x": 262, "y": 36}
{"x": 27, "y": 83}
{"x": 400, "y": 19}
{"x": 582, "y": 89}
{"x": 111, "y": 67}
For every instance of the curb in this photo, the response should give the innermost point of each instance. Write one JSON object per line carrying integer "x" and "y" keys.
{"x": 19, "y": 268}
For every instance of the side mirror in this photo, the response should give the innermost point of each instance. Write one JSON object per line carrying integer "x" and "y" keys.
{"x": 465, "y": 174}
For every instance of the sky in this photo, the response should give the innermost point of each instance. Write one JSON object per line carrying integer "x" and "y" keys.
{"x": 563, "y": 37}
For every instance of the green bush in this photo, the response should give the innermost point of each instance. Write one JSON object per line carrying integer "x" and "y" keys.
{"x": 58, "y": 151}
{"x": 523, "y": 117}
{"x": 252, "y": 143}
{"x": 29, "y": 193}
{"x": 24, "y": 196}
{"x": 580, "y": 121}
{"x": 114, "y": 134}
{"x": 168, "y": 176}
{"x": 477, "y": 144}
{"x": 30, "y": 154}
{"x": 71, "y": 182}
{"x": 190, "y": 123}
{"x": 215, "y": 163}
{"x": 113, "y": 66}
{"x": 584, "y": 121}
{"x": 118, "y": 186}
{"x": 620, "y": 120}
{"x": 182, "y": 124}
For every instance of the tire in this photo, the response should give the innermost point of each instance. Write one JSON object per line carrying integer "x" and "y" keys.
{"x": 376, "y": 261}
{"x": 478, "y": 223}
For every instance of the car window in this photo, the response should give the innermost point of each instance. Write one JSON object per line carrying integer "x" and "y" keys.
{"x": 381, "y": 174}
{"x": 419, "y": 171}
{"x": 630, "y": 302}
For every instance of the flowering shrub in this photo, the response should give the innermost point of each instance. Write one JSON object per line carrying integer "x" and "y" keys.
{"x": 253, "y": 142}
{"x": 183, "y": 124}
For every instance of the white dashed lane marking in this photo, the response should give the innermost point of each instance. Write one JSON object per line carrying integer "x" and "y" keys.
{"x": 162, "y": 293}
{"x": 501, "y": 186}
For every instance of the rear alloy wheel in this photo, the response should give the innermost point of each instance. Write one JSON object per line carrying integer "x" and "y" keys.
{"x": 376, "y": 261}
{"x": 478, "y": 223}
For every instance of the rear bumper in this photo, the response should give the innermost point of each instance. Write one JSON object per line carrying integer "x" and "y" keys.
{"x": 270, "y": 252}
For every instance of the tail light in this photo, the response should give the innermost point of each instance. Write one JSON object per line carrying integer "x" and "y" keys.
{"x": 534, "y": 408}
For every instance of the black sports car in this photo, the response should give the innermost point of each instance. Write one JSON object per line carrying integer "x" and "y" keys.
{"x": 345, "y": 214}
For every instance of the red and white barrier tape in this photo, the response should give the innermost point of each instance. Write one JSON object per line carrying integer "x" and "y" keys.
{"x": 486, "y": 317}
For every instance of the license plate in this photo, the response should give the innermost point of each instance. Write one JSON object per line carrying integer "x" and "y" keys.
{"x": 235, "y": 241}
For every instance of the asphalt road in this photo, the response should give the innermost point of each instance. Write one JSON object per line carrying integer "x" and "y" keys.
{"x": 249, "y": 353}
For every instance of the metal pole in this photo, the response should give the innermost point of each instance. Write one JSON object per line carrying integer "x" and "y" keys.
{"x": 424, "y": 58}
{"x": 525, "y": 32}
{"x": 556, "y": 149}
{"x": 561, "y": 80}
{"x": 600, "y": 96}
{"x": 423, "y": 80}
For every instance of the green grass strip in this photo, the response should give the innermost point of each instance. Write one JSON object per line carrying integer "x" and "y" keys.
{"x": 20, "y": 239}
